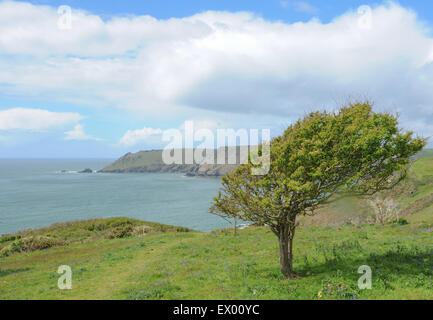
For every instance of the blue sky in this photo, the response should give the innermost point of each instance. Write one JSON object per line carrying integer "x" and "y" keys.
{"x": 126, "y": 70}
{"x": 326, "y": 10}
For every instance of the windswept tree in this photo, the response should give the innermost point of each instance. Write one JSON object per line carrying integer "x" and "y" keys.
{"x": 323, "y": 155}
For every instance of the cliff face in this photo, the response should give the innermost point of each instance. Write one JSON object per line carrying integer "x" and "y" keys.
{"x": 151, "y": 161}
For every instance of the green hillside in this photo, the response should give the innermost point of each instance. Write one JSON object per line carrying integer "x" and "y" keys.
{"x": 121, "y": 258}
{"x": 216, "y": 265}
{"x": 151, "y": 161}
{"x": 425, "y": 153}
{"x": 413, "y": 195}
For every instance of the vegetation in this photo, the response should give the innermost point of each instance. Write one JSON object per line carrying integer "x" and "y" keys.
{"x": 385, "y": 209}
{"x": 63, "y": 234}
{"x": 151, "y": 161}
{"x": 122, "y": 258}
{"x": 168, "y": 263}
{"x": 216, "y": 265}
{"x": 353, "y": 151}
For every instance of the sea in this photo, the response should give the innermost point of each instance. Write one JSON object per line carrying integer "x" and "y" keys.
{"x": 36, "y": 193}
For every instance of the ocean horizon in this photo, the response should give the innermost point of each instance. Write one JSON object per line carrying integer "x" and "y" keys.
{"x": 35, "y": 193}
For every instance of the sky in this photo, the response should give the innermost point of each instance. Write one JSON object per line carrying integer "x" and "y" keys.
{"x": 97, "y": 79}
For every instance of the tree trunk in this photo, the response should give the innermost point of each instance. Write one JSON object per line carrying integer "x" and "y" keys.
{"x": 235, "y": 225}
{"x": 285, "y": 238}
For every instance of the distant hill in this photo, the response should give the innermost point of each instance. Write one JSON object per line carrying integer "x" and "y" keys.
{"x": 425, "y": 153}
{"x": 414, "y": 196}
{"x": 151, "y": 161}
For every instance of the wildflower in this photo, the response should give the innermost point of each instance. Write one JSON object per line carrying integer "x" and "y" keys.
{"x": 320, "y": 295}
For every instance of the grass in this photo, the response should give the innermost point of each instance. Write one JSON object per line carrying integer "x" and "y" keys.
{"x": 193, "y": 265}
{"x": 89, "y": 230}
{"x": 122, "y": 258}
{"x": 413, "y": 195}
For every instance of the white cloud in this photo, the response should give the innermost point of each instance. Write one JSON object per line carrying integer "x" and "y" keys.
{"x": 35, "y": 119}
{"x": 132, "y": 137}
{"x": 154, "y": 136}
{"x": 78, "y": 134}
{"x": 218, "y": 61}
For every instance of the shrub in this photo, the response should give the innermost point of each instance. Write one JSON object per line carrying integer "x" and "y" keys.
{"x": 400, "y": 221}
{"x": 120, "y": 232}
{"x": 9, "y": 238}
{"x": 31, "y": 244}
{"x": 385, "y": 209}
{"x": 140, "y": 230}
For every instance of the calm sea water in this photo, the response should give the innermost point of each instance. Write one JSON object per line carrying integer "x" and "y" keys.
{"x": 36, "y": 193}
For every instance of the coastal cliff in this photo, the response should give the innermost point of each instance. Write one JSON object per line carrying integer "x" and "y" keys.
{"x": 151, "y": 161}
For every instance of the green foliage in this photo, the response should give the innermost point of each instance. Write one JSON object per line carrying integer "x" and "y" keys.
{"x": 151, "y": 161}
{"x": 67, "y": 233}
{"x": 120, "y": 232}
{"x": 158, "y": 290}
{"x": 324, "y": 154}
{"x": 355, "y": 150}
{"x": 9, "y": 238}
{"x": 31, "y": 244}
{"x": 401, "y": 221}
{"x": 217, "y": 265}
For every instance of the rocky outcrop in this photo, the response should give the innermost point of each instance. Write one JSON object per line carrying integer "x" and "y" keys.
{"x": 151, "y": 161}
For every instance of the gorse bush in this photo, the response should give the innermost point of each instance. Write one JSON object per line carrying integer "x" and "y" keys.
{"x": 120, "y": 232}
{"x": 109, "y": 224}
{"x": 32, "y": 244}
{"x": 182, "y": 229}
{"x": 64, "y": 233}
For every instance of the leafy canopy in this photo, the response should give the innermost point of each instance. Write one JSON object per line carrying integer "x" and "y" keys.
{"x": 354, "y": 150}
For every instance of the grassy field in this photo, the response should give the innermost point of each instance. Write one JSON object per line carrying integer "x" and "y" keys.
{"x": 121, "y": 258}
{"x": 413, "y": 195}
{"x": 172, "y": 264}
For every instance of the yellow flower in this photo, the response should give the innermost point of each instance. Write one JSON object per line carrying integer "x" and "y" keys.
{"x": 320, "y": 294}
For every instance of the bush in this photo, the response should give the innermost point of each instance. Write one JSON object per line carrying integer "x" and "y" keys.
{"x": 385, "y": 209}
{"x": 9, "y": 238}
{"x": 31, "y": 244}
{"x": 120, "y": 232}
{"x": 140, "y": 230}
{"x": 400, "y": 221}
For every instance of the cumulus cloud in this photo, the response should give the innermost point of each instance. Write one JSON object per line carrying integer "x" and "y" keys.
{"x": 220, "y": 61}
{"x": 132, "y": 137}
{"x": 35, "y": 119}
{"x": 154, "y": 135}
{"x": 78, "y": 134}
